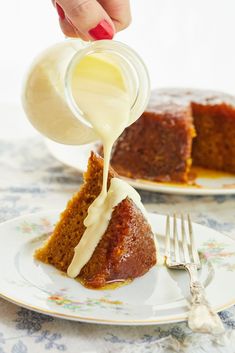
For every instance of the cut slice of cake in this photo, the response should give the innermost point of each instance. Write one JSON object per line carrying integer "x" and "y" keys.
{"x": 127, "y": 248}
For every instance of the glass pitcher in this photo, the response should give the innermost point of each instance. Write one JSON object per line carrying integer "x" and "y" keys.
{"x": 48, "y": 98}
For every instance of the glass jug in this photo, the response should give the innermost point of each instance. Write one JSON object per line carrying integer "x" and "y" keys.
{"x": 48, "y": 98}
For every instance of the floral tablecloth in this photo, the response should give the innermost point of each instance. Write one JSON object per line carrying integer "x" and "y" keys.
{"x": 31, "y": 181}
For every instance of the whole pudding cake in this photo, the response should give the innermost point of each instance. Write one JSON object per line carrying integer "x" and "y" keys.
{"x": 180, "y": 127}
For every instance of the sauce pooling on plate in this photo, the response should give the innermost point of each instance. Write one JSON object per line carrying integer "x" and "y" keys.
{"x": 100, "y": 91}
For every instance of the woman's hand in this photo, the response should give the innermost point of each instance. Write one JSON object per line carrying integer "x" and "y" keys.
{"x": 91, "y": 19}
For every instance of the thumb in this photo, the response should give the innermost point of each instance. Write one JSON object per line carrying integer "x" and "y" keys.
{"x": 89, "y": 18}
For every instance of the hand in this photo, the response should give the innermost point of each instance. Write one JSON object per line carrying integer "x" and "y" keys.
{"x": 91, "y": 19}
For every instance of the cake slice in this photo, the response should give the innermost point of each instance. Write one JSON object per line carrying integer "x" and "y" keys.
{"x": 127, "y": 248}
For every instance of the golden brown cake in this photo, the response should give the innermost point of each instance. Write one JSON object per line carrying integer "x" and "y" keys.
{"x": 127, "y": 248}
{"x": 157, "y": 146}
{"x": 179, "y": 127}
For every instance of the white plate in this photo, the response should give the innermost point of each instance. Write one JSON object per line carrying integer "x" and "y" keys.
{"x": 160, "y": 296}
{"x": 207, "y": 184}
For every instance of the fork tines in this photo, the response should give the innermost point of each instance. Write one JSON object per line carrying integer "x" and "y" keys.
{"x": 180, "y": 249}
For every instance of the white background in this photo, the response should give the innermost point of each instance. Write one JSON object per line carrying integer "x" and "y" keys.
{"x": 183, "y": 42}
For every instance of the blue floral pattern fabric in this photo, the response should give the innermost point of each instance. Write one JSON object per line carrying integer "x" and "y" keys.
{"x": 31, "y": 181}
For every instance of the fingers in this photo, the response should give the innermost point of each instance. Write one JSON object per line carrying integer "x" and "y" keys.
{"x": 85, "y": 18}
{"x": 119, "y": 11}
{"x": 66, "y": 26}
{"x": 70, "y": 31}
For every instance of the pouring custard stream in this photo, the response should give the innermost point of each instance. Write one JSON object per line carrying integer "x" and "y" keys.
{"x": 100, "y": 91}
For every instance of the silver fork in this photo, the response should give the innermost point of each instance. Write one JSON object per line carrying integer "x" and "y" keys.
{"x": 185, "y": 256}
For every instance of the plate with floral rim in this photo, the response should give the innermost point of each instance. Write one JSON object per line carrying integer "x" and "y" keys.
{"x": 206, "y": 182}
{"x": 160, "y": 296}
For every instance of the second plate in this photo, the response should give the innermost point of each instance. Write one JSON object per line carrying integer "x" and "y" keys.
{"x": 207, "y": 183}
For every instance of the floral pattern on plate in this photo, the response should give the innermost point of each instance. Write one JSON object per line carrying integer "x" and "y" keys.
{"x": 218, "y": 253}
{"x": 43, "y": 226}
{"x": 87, "y": 304}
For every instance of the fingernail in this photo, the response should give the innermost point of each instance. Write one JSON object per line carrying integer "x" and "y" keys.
{"x": 102, "y": 31}
{"x": 60, "y": 11}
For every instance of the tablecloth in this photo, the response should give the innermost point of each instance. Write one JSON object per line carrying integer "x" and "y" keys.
{"x": 30, "y": 181}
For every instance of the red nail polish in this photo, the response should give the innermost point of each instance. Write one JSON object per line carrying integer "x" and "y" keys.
{"x": 102, "y": 31}
{"x": 60, "y": 11}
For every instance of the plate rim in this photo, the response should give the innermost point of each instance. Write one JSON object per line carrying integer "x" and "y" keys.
{"x": 123, "y": 322}
{"x": 77, "y": 318}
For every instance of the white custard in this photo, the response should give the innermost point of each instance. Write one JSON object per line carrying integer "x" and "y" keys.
{"x": 100, "y": 91}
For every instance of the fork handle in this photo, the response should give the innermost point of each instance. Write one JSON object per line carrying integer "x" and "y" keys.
{"x": 201, "y": 317}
